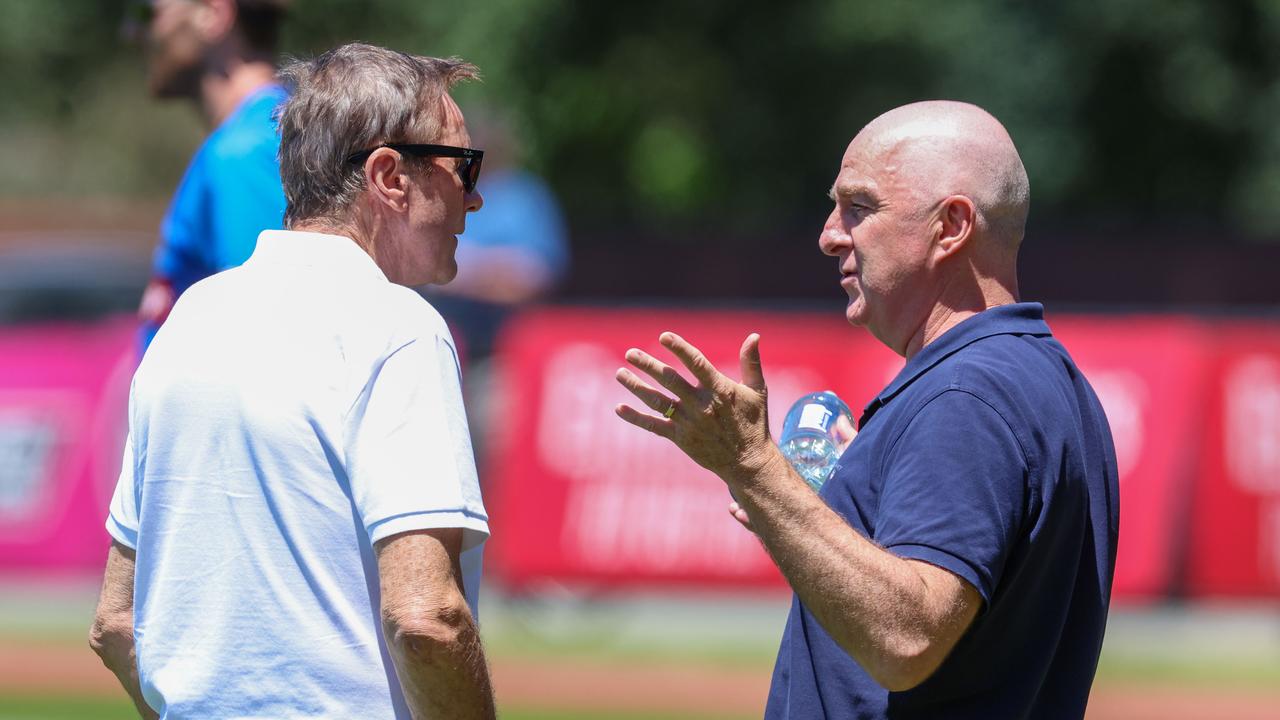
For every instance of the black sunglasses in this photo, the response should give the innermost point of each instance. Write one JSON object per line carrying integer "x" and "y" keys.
{"x": 468, "y": 169}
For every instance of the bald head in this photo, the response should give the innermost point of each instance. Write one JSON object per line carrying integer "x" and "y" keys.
{"x": 930, "y": 207}
{"x": 941, "y": 148}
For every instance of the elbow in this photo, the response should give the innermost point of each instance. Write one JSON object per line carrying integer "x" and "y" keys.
{"x": 430, "y": 636}
{"x": 111, "y": 637}
{"x": 905, "y": 663}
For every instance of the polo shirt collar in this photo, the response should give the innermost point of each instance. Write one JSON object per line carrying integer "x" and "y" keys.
{"x": 312, "y": 249}
{"x": 1013, "y": 319}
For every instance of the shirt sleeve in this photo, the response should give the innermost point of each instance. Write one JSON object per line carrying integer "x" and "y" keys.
{"x": 182, "y": 257}
{"x": 122, "y": 518}
{"x": 410, "y": 460}
{"x": 955, "y": 490}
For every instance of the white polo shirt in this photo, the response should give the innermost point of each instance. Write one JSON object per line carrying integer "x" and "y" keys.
{"x": 289, "y": 414}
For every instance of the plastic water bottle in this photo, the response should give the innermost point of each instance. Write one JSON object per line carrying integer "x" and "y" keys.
{"x": 816, "y": 430}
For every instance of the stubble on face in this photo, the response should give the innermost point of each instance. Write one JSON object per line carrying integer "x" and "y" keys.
{"x": 915, "y": 157}
{"x": 175, "y": 51}
{"x": 879, "y": 200}
{"x": 442, "y": 206}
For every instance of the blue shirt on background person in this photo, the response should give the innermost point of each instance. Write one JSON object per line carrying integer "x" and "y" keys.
{"x": 229, "y": 193}
{"x": 523, "y": 213}
{"x": 989, "y": 455}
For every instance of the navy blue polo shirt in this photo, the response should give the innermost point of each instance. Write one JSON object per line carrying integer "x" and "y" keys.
{"x": 989, "y": 456}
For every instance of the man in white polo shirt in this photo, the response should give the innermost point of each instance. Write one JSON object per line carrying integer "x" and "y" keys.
{"x": 298, "y": 526}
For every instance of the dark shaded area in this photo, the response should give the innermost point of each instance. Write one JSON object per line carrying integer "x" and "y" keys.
{"x": 1081, "y": 269}
{"x": 56, "y": 277}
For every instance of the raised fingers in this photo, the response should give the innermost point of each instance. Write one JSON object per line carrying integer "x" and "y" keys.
{"x": 749, "y": 363}
{"x": 666, "y": 375}
{"x": 740, "y": 515}
{"x": 655, "y": 425}
{"x": 692, "y": 358}
{"x": 652, "y": 398}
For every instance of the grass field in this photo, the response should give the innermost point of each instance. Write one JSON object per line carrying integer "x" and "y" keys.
{"x": 680, "y": 658}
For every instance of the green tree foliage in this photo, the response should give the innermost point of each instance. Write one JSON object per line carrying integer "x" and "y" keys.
{"x": 733, "y": 115}
{"x": 74, "y": 114}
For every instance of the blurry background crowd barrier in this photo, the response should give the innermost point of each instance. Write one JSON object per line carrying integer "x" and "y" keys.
{"x": 1194, "y": 405}
{"x": 690, "y": 147}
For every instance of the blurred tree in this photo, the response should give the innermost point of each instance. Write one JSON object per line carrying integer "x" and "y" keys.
{"x": 677, "y": 116}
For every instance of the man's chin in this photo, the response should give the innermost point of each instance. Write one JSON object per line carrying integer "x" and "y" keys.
{"x": 173, "y": 84}
{"x": 853, "y": 312}
{"x": 163, "y": 89}
{"x": 447, "y": 273}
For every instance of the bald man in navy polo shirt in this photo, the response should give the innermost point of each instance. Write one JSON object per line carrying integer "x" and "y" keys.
{"x": 958, "y": 564}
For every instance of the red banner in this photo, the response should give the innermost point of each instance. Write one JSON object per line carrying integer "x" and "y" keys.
{"x": 579, "y": 496}
{"x": 1234, "y": 538}
{"x": 584, "y": 496}
{"x": 1151, "y": 374}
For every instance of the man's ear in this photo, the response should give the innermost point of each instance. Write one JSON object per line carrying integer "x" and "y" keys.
{"x": 384, "y": 175}
{"x": 216, "y": 19}
{"x": 957, "y": 222}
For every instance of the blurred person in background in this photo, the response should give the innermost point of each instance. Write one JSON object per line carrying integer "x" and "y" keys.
{"x": 959, "y": 561}
{"x": 298, "y": 525}
{"x": 219, "y": 54}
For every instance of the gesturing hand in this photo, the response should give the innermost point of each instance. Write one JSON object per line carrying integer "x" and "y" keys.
{"x": 720, "y": 424}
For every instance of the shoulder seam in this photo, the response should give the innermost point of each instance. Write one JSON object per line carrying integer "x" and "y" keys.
{"x": 373, "y": 376}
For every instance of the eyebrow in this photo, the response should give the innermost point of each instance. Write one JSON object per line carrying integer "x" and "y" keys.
{"x": 849, "y": 190}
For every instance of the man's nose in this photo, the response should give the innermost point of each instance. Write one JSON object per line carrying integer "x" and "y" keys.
{"x": 834, "y": 236}
{"x": 474, "y": 201}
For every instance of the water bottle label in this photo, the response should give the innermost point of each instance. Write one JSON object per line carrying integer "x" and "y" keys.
{"x": 814, "y": 417}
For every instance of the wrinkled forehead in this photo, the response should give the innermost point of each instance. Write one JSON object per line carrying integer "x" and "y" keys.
{"x": 873, "y": 165}
{"x": 859, "y": 155}
{"x": 908, "y": 156}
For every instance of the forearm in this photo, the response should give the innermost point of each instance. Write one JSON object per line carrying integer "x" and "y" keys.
{"x": 120, "y": 657}
{"x": 442, "y": 669}
{"x": 876, "y": 605}
{"x": 898, "y": 618}
{"x": 429, "y": 628}
{"x": 111, "y": 635}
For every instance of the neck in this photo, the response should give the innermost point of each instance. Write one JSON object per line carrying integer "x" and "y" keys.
{"x": 956, "y": 303}
{"x": 360, "y": 229}
{"x": 223, "y": 89}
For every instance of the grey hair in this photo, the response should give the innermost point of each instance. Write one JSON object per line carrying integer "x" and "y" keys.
{"x": 349, "y": 99}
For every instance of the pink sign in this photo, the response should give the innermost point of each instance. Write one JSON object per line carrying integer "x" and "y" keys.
{"x": 63, "y": 397}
